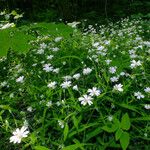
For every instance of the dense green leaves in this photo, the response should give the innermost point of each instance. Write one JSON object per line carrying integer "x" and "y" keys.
{"x": 18, "y": 39}
{"x": 51, "y": 10}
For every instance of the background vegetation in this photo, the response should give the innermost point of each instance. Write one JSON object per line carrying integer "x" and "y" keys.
{"x": 52, "y": 10}
{"x": 74, "y": 75}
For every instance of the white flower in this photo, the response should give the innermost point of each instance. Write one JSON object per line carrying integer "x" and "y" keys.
{"x": 110, "y": 118}
{"x": 64, "y": 62}
{"x": 138, "y": 95}
{"x": 49, "y": 104}
{"x": 61, "y": 123}
{"x": 95, "y": 44}
{"x": 47, "y": 67}
{"x": 50, "y": 57}
{"x": 40, "y": 51}
{"x": 94, "y": 92}
{"x": 67, "y": 78}
{"x": 57, "y": 39}
{"x": 76, "y": 76}
{"x": 34, "y": 65}
{"x": 114, "y": 79}
{"x": 8, "y": 25}
{"x": 132, "y": 51}
{"x": 107, "y": 42}
{"x": 73, "y": 24}
{"x": 18, "y": 134}
{"x": 134, "y": 63}
{"x": 4, "y": 83}
{"x": 87, "y": 71}
{"x": 43, "y": 46}
{"x": 112, "y": 69}
{"x": 29, "y": 109}
{"x": 133, "y": 56}
{"x": 75, "y": 87}
{"x": 108, "y": 61}
{"x": 58, "y": 103}
{"x": 52, "y": 85}
{"x": 55, "y": 49}
{"x": 11, "y": 95}
{"x": 122, "y": 73}
{"x": 100, "y": 48}
{"x": 66, "y": 84}
{"x": 20, "y": 79}
{"x": 147, "y": 89}
{"x": 147, "y": 43}
{"x": 56, "y": 70}
{"x": 147, "y": 106}
{"x": 118, "y": 87}
{"x": 86, "y": 100}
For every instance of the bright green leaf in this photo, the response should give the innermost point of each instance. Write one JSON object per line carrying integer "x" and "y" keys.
{"x": 75, "y": 122}
{"x": 110, "y": 129}
{"x": 125, "y": 122}
{"x": 118, "y": 134}
{"x": 124, "y": 140}
{"x": 66, "y": 130}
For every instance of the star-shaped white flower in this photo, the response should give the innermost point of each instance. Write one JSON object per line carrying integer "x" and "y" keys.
{"x": 85, "y": 99}
{"x": 18, "y": 134}
{"x": 118, "y": 87}
{"x": 94, "y": 91}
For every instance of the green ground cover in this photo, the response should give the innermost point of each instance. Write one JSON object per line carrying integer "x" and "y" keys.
{"x": 75, "y": 90}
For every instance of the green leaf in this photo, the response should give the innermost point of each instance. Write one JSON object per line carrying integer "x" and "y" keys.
{"x": 41, "y": 148}
{"x": 75, "y": 122}
{"x": 111, "y": 129}
{"x": 66, "y": 130}
{"x": 125, "y": 122}
{"x": 118, "y": 134}
{"x": 124, "y": 140}
{"x": 73, "y": 147}
{"x": 14, "y": 39}
{"x": 33, "y": 138}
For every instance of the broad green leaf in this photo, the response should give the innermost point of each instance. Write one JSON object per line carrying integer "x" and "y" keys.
{"x": 124, "y": 140}
{"x": 41, "y": 148}
{"x": 66, "y": 130}
{"x": 14, "y": 39}
{"x": 73, "y": 147}
{"x": 125, "y": 122}
{"x": 118, "y": 134}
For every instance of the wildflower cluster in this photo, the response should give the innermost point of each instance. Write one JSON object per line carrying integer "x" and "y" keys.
{"x": 74, "y": 91}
